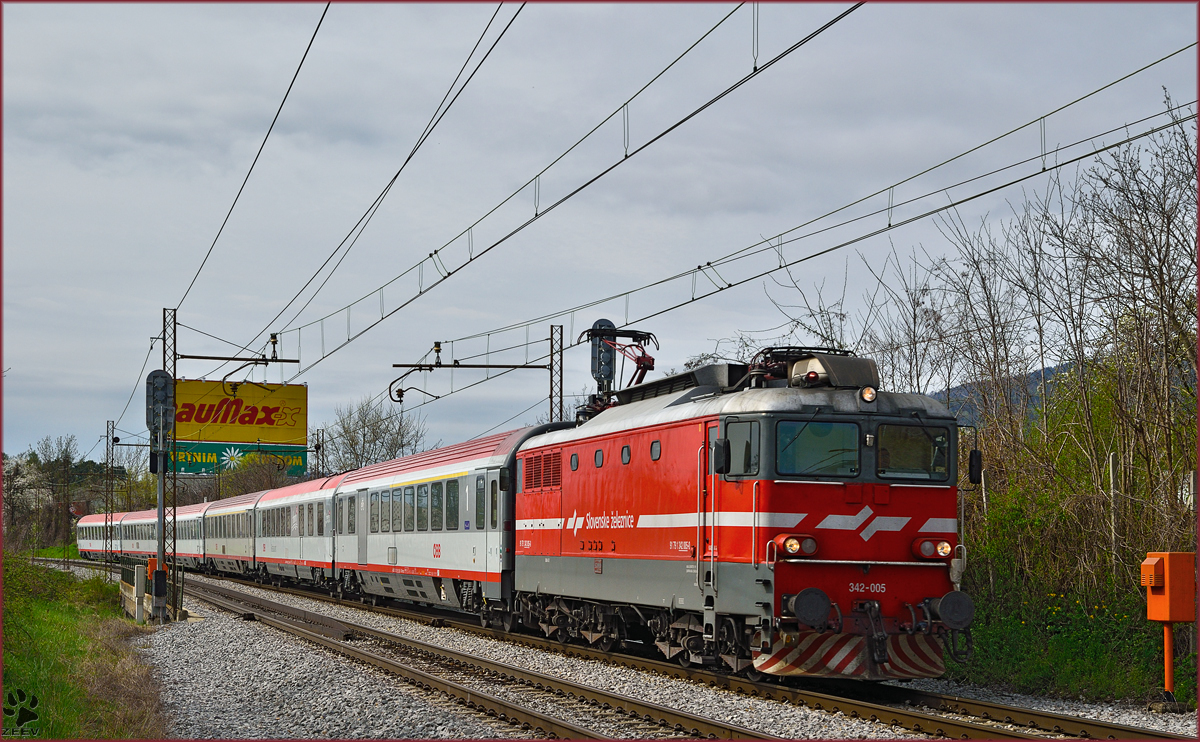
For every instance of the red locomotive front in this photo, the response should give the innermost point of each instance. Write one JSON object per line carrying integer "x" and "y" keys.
{"x": 784, "y": 517}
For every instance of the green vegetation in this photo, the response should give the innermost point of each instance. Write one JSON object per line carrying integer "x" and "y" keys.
{"x": 66, "y": 644}
{"x": 1060, "y": 645}
{"x": 56, "y": 552}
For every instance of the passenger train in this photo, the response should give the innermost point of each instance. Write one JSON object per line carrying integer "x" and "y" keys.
{"x": 781, "y": 517}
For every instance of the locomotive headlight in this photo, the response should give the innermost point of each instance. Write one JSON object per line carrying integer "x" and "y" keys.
{"x": 791, "y": 545}
{"x": 926, "y": 548}
{"x": 943, "y": 548}
{"x": 868, "y": 394}
{"x": 809, "y": 545}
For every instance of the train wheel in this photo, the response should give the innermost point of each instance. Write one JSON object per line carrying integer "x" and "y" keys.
{"x": 562, "y": 635}
{"x": 507, "y": 621}
{"x": 754, "y": 676}
{"x": 684, "y": 658}
{"x": 606, "y": 643}
{"x": 484, "y": 621}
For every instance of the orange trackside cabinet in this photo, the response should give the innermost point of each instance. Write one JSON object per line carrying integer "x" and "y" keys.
{"x": 1170, "y": 581}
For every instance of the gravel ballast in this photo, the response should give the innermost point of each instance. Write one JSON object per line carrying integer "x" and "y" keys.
{"x": 264, "y": 683}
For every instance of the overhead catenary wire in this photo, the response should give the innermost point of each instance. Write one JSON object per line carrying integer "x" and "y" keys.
{"x": 959, "y": 156}
{"x": 1063, "y": 107}
{"x": 255, "y": 161}
{"x": 947, "y": 207}
{"x": 438, "y": 114}
{"x": 137, "y": 384}
{"x": 452, "y": 271}
{"x": 776, "y": 241}
{"x": 623, "y": 108}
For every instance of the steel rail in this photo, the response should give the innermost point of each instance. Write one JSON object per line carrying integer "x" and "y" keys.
{"x": 262, "y": 611}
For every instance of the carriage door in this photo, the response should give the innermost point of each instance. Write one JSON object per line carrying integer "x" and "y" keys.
{"x": 494, "y": 528}
{"x": 707, "y": 552}
{"x": 361, "y": 505}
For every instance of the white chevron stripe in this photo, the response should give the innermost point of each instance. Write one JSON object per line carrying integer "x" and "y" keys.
{"x": 883, "y": 523}
{"x": 846, "y": 522}
{"x": 940, "y": 525}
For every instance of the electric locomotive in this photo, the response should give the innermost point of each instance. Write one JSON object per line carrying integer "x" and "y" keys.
{"x": 781, "y": 517}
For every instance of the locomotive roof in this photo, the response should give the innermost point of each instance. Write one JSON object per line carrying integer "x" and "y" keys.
{"x": 708, "y": 400}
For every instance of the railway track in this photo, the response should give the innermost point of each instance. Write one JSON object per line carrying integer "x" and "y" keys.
{"x": 918, "y": 711}
{"x": 577, "y": 710}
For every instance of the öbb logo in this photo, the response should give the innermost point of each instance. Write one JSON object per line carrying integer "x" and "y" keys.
{"x": 232, "y": 412}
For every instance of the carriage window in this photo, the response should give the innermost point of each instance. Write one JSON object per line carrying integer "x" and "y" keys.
{"x": 804, "y": 447}
{"x": 350, "y": 515}
{"x": 495, "y": 504}
{"x": 398, "y": 511}
{"x": 625, "y": 454}
{"x": 913, "y": 452}
{"x": 340, "y": 526}
{"x": 435, "y": 506}
{"x": 422, "y": 507}
{"x": 410, "y": 509}
{"x": 311, "y": 532}
{"x": 574, "y": 462}
{"x": 599, "y": 458}
{"x": 385, "y": 512}
{"x": 452, "y": 505}
{"x": 743, "y": 448}
{"x": 374, "y": 512}
{"x": 320, "y": 519}
{"x": 479, "y": 503}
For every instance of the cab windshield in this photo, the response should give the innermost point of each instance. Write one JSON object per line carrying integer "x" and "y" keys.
{"x": 816, "y": 448}
{"x": 913, "y": 452}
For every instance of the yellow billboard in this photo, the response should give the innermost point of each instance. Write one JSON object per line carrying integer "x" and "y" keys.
{"x": 244, "y": 413}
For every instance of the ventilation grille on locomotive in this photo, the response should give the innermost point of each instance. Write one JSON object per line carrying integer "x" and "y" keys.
{"x": 543, "y": 470}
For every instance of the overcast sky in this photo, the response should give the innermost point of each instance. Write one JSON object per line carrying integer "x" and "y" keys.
{"x": 128, "y": 130}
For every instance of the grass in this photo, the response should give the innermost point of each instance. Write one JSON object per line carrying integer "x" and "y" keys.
{"x": 1062, "y": 645}
{"x": 56, "y": 552}
{"x": 66, "y": 643}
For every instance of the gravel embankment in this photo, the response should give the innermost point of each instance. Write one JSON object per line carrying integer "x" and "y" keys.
{"x": 263, "y": 683}
{"x": 1114, "y": 712}
{"x": 778, "y": 719}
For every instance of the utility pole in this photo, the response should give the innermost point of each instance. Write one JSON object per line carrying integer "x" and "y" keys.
{"x": 66, "y": 494}
{"x": 556, "y": 373}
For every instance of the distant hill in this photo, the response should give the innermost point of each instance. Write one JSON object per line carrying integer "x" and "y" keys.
{"x": 960, "y": 402}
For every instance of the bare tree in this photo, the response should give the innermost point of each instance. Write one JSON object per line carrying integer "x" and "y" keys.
{"x": 367, "y": 433}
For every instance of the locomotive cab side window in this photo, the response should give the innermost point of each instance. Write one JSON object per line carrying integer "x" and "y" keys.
{"x": 574, "y": 462}
{"x": 599, "y": 458}
{"x": 625, "y": 454}
{"x": 655, "y": 450}
{"x": 743, "y": 440}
